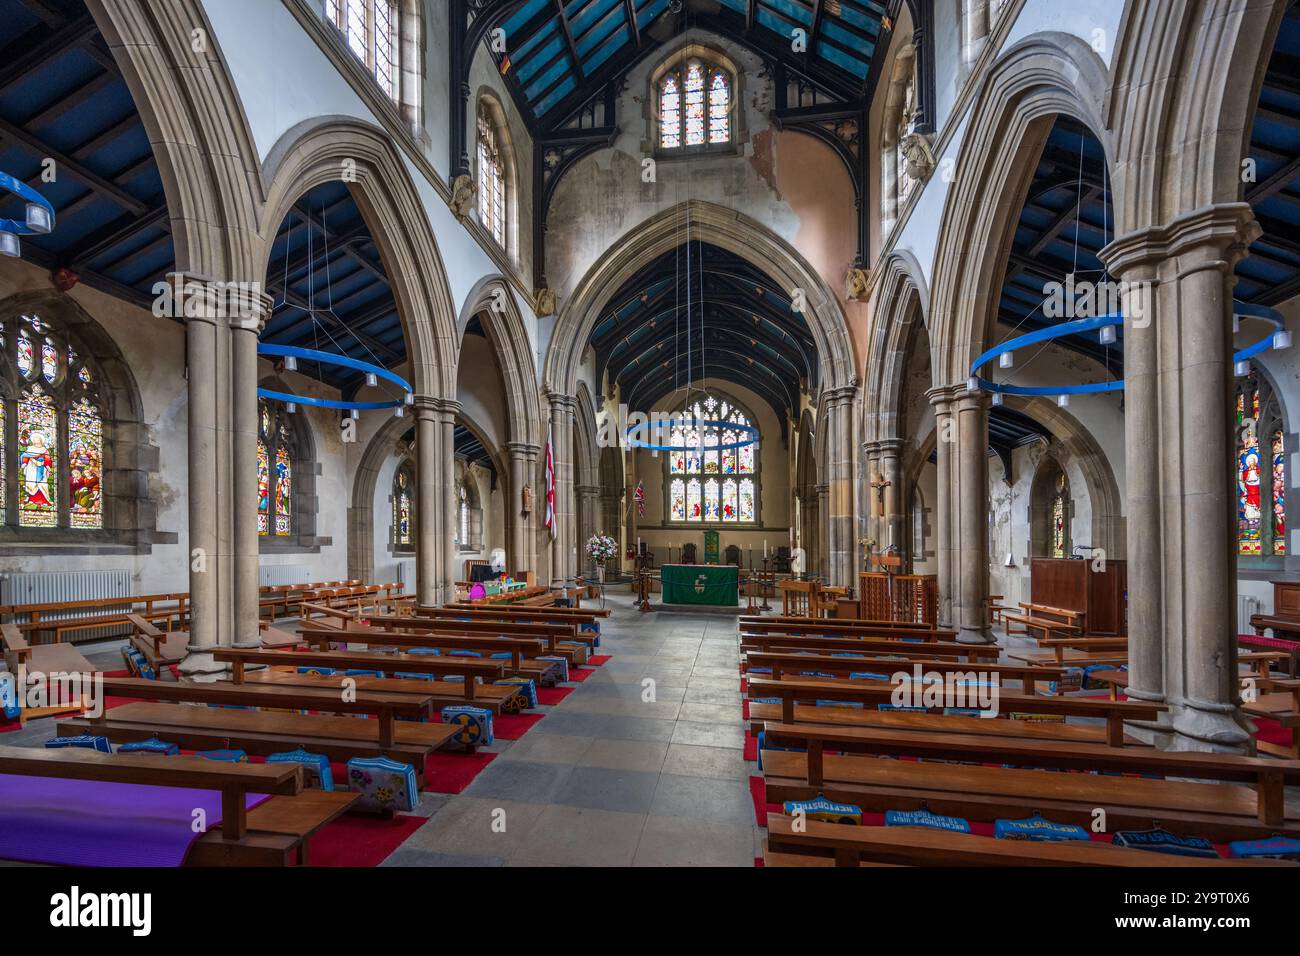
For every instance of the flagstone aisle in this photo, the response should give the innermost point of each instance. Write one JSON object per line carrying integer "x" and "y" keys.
{"x": 609, "y": 778}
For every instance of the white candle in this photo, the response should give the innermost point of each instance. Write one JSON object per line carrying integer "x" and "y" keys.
{"x": 765, "y": 547}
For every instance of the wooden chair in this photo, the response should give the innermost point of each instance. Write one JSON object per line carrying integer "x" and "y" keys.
{"x": 797, "y": 598}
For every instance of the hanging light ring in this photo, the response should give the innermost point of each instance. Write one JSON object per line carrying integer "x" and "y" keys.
{"x": 341, "y": 361}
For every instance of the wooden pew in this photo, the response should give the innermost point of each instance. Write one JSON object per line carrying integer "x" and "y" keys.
{"x": 48, "y": 660}
{"x": 831, "y": 626}
{"x": 807, "y": 715}
{"x": 540, "y": 613}
{"x": 523, "y": 651}
{"x": 1113, "y": 712}
{"x": 53, "y": 618}
{"x": 240, "y": 658}
{"x": 498, "y": 698}
{"x": 560, "y": 637}
{"x": 858, "y": 622}
{"x": 385, "y": 707}
{"x": 870, "y": 645}
{"x": 791, "y": 664}
{"x": 839, "y": 845}
{"x": 1045, "y": 618}
{"x": 1076, "y": 651}
{"x": 1218, "y": 811}
{"x": 275, "y": 833}
{"x": 1268, "y": 776}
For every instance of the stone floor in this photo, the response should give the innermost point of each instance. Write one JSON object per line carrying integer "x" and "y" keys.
{"x": 641, "y": 765}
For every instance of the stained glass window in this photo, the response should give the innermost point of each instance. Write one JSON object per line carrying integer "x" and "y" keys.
{"x": 403, "y": 525}
{"x": 699, "y": 496}
{"x": 491, "y": 177}
{"x": 1060, "y": 529}
{"x": 275, "y": 471}
{"x": 1248, "y": 497}
{"x": 670, "y": 113}
{"x": 85, "y": 465}
{"x": 56, "y": 447}
{"x": 38, "y": 427}
{"x": 369, "y": 28}
{"x": 719, "y": 108}
{"x": 1279, "y": 494}
{"x": 694, "y": 106}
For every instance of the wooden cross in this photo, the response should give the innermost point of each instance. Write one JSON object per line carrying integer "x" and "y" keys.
{"x": 880, "y": 484}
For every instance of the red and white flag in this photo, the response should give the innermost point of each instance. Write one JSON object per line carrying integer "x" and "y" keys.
{"x": 639, "y": 497}
{"x": 550, "y": 486}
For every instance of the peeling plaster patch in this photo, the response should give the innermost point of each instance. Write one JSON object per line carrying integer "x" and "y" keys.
{"x": 763, "y": 162}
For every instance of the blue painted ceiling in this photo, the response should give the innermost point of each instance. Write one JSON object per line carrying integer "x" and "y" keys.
{"x": 561, "y": 54}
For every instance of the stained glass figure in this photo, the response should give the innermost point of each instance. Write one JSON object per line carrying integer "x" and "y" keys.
{"x": 730, "y": 501}
{"x": 694, "y": 90}
{"x": 283, "y": 491}
{"x": 85, "y": 465}
{"x": 38, "y": 428}
{"x": 677, "y": 500}
{"x": 719, "y": 108}
{"x": 704, "y": 498}
{"x": 1248, "y": 475}
{"x": 1279, "y": 494}
{"x": 263, "y": 489}
{"x": 670, "y": 113}
{"x": 746, "y": 500}
{"x": 694, "y": 511}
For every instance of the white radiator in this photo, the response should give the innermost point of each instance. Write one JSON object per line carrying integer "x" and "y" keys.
{"x": 46, "y": 587}
{"x": 272, "y": 574}
{"x": 1246, "y": 606}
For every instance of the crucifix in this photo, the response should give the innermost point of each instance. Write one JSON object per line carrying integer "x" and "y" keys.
{"x": 880, "y": 484}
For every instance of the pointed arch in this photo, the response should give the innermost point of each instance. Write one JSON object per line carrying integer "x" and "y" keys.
{"x": 493, "y": 302}
{"x": 317, "y": 152}
{"x": 1041, "y": 77}
{"x": 901, "y": 300}
{"x": 719, "y": 226}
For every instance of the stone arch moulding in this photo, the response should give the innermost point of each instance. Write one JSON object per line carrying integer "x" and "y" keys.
{"x": 494, "y": 303}
{"x": 1187, "y": 78}
{"x": 1041, "y": 77}
{"x": 901, "y": 298}
{"x": 722, "y": 227}
{"x": 1076, "y": 447}
{"x": 197, "y": 129}
{"x": 332, "y": 149}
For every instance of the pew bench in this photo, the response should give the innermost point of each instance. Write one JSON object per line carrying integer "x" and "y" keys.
{"x": 782, "y": 664}
{"x": 1030, "y": 624}
{"x": 871, "y": 646}
{"x": 871, "y": 693}
{"x": 523, "y": 651}
{"x": 562, "y": 638}
{"x": 46, "y": 659}
{"x": 807, "y": 715}
{"x": 261, "y": 732}
{"x": 494, "y": 697}
{"x": 1218, "y": 811}
{"x": 838, "y": 628}
{"x": 274, "y": 833}
{"x": 241, "y": 659}
{"x": 830, "y": 844}
{"x": 1268, "y": 776}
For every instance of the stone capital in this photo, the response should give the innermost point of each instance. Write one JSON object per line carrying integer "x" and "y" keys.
{"x": 943, "y": 396}
{"x": 1221, "y": 232}
{"x": 523, "y": 450}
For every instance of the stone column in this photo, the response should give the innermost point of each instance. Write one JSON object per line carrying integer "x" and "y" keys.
{"x": 522, "y": 546}
{"x": 447, "y": 410}
{"x": 840, "y": 523}
{"x": 945, "y": 488}
{"x": 208, "y": 375}
{"x": 1194, "y": 571}
{"x": 973, "y": 524}
{"x": 822, "y": 567}
{"x": 428, "y": 511}
{"x": 245, "y": 329}
{"x": 563, "y": 408}
{"x": 585, "y": 496}
{"x": 890, "y": 451}
{"x": 872, "y": 524}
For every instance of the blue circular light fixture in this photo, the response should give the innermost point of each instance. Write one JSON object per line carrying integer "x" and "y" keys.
{"x": 635, "y": 442}
{"x": 39, "y": 219}
{"x": 1240, "y": 309}
{"x": 341, "y": 361}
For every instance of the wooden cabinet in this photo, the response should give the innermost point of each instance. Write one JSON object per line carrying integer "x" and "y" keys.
{"x": 1286, "y": 599}
{"x": 1072, "y": 583}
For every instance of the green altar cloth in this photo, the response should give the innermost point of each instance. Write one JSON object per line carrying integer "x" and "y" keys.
{"x": 713, "y": 584}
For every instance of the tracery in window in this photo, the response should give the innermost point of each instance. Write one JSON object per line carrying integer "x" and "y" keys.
{"x": 695, "y": 99}
{"x": 698, "y": 495}
{"x": 491, "y": 177}
{"x": 370, "y": 29}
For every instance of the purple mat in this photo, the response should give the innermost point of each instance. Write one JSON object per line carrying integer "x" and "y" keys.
{"x": 82, "y": 823}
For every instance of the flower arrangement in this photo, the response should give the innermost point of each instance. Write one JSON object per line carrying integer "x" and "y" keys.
{"x": 601, "y": 547}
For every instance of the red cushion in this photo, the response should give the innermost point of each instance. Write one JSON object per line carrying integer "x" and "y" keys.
{"x": 1256, "y": 640}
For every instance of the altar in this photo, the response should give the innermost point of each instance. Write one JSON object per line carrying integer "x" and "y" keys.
{"x": 715, "y": 585}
